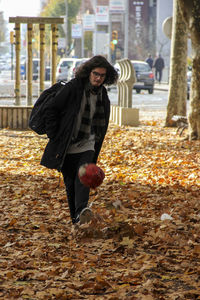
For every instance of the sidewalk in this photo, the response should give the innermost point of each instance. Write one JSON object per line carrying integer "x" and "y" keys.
{"x": 163, "y": 86}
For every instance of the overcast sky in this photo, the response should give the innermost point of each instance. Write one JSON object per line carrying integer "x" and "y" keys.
{"x": 13, "y": 8}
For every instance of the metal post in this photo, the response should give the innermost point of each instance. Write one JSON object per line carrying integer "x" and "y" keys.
{"x": 29, "y": 67}
{"x": 42, "y": 62}
{"x": 17, "y": 70}
{"x": 109, "y": 35}
{"x": 95, "y": 31}
{"x": 82, "y": 42}
{"x": 66, "y": 28}
{"x": 126, "y": 29}
{"x": 54, "y": 46}
{"x": 83, "y": 32}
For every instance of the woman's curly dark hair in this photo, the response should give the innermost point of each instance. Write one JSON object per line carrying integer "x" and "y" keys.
{"x": 97, "y": 61}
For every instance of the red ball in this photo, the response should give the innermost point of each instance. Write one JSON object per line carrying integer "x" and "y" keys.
{"x": 91, "y": 175}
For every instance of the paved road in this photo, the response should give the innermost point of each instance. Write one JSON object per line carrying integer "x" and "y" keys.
{"x": 151, "y": 106}
{"x": 7, "y": 86}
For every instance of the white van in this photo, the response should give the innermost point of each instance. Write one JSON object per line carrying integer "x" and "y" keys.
{"x": 75, "y": 65}
{"x": 63, "y": 67}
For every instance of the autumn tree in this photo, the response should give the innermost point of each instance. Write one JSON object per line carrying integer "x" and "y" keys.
{"x": 190, "y": 10}
{"x": 178, "y": 82}
{"x": 57, "y": 8}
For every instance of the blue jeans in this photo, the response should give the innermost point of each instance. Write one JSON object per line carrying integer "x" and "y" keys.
{"x": 77, "y": 193}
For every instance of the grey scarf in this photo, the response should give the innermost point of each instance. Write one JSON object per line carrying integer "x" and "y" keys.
{"x": 97, "y": 123}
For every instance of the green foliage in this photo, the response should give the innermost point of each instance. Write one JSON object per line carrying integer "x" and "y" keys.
{"x": 57, "y": 9}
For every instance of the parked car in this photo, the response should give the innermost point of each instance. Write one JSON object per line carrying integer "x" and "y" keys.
{"x": 144, "y": 76}
{"x": 35, "y": 68}
{"x": 75, "y": 65}
{"x": 47, "y": 73}
{"x": 63, "y": 67}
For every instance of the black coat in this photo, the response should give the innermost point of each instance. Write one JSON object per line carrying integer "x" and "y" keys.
{"x": 159, "y": 64}
{"x": 61, "y": 116}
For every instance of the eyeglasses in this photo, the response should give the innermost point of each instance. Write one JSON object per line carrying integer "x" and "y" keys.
{"x": 96, "y": 74}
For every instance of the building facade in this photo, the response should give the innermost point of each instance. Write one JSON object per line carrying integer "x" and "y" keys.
{"x": 145, "y": 34}
{"x": 142, "y": 33}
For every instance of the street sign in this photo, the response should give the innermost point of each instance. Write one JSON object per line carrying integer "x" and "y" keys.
{"x": 76, "y": 31}
{"x": 102, "y": 14}
{"x": 117, "y": 5}
{"x": 88, "y": 22}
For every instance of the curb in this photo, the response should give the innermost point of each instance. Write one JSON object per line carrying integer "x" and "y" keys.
{"x": 161, "y": 87}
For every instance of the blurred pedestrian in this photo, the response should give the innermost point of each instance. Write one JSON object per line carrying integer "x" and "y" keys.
{"x": 159, "y": 65}
{"x": 149, "y": 60}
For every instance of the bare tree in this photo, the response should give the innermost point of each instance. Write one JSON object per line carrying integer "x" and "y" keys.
{"x": 178, "y": 83}
{"x": 190, "y": 11}
{"x": 161, "y": 45}
{"x": 138, "y": 42}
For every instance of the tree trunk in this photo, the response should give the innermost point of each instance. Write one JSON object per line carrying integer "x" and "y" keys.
{"x": 178, "y": 82}
{"x": 190, "y": 10}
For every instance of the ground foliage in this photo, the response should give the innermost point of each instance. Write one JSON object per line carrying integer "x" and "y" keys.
{"x": 127, "y": 252}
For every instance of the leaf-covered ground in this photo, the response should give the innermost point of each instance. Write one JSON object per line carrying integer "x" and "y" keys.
{"x": 128, "y": 251}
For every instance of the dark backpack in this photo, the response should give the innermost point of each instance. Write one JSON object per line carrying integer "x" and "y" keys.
{"x": 36, "y": 119}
